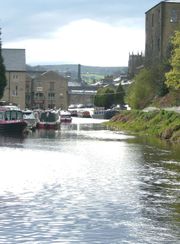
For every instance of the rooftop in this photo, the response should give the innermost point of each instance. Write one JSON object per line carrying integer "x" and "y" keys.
{"x": 14, "y": 59}
{"x": 164, "y": 2}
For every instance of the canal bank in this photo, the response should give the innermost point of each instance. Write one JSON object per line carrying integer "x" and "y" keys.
{"x": 162, "y": 124}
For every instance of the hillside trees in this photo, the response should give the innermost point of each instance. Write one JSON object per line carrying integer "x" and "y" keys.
{"x": 173, "y": 76}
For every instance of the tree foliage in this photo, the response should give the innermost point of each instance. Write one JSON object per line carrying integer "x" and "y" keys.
{"x": 158, "y": 72}
{"x": 104, "y": 97}
{"x": 173, "y": 76}
{"x": 142, "y": 90}
{"x": 119, "y": 95}
{"x": 108, "y": 98}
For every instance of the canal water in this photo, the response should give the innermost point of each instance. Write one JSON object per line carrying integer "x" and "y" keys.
{"x": 87, "y": 184}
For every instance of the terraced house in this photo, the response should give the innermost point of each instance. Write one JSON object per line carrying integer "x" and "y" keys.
{"x": 48, "y": 90}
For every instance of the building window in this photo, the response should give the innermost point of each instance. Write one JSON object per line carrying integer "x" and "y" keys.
{"x": 51, "y": 106}
{"x": 159, "y": 16}
{"x": 51, "y": 95}
{"x": 158, "y": 44}
{"x": 51, "y": 86}
{"x": 173, "y": 17}
{"x": 39, "y": 95}
{"x": 15, "y": 77}
{"x": 15, "y": 92}
{"x": 152, "y": 20}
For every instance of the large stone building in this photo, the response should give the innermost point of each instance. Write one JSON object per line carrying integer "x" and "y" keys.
{"x": 15, "y": 64}
{"x": 47, "y": 90}
{"x": 135, "y": 63}
{"x": 161, "y": 22}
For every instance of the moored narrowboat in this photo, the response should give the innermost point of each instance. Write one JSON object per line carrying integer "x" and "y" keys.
{"x": 65, "y": 116}
{"x": 49, "y": 119}
{"x": 11, "y": 120}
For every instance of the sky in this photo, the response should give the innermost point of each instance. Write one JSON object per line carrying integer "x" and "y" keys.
{"x": 87, "y": 32}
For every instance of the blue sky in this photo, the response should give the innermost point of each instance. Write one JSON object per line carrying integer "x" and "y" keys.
{"x": 90, "y": 32}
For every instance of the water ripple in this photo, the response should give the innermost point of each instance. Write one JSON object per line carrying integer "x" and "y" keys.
{"x": 87, "y": 186}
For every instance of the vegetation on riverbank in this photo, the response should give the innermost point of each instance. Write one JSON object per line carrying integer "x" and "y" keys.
{"x": 172, "y": 99}
{"x": 162, "y": 124}
{"x": 158, "y": 83}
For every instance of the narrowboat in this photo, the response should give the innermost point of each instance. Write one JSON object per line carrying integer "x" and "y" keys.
{"x": 11, "y": 120}
{"x": 84, "y": 113}
{"x": 73, "y": 110}
{"x": 99, "y": 113}
{"x": 49, "y": 119}
{"x": 31, "y": 119}
{"x": 65, "y": 116}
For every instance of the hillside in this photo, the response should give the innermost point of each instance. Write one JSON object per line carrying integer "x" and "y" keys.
{"x": 73, "y": 68}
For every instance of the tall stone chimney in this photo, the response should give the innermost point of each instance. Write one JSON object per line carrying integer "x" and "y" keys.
{"x": 79, "y": 73}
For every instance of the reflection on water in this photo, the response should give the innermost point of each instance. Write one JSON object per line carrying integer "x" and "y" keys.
{"x": 85, "y": 184}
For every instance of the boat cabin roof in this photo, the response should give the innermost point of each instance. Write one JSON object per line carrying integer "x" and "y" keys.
{"x": 62, "y": 112}
{"x": 8, "y": 107}
{"x": 7, "y": 114}
{"x": 50, "y": 111}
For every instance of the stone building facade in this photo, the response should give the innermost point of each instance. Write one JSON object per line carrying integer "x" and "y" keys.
{"x": 15, "y": 64}
{"x": 81, "y": 97}
{"x": 136, "y": 61}
{"x": 47, "y": 90}
{"x": 161, "y": 22}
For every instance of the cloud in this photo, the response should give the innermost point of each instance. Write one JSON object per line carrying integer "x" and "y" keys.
{"x": 37, "y": 18}
{"x": 84, "y": 41}
{"x": 91, "y": 32}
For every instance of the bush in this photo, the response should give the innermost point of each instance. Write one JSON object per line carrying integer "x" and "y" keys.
{"x": 142, "y": 90}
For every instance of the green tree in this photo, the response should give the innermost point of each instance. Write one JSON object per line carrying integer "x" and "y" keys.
{"x": 142, "y": 90}
{"x": 158, "y": 77}
{"x": 119, "y": 95}
{"x": 98, "y": 101}
{"x": 173, "y": 76}
{"x": 104, "y": 97}
{"x": 3, "y": 80}
{"x": 108, "y": 98}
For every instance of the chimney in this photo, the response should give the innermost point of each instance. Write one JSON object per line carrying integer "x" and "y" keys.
{"x": 79, "y": 73}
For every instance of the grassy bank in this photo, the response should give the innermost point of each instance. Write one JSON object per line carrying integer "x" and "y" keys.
{"x": 162, "y": 124}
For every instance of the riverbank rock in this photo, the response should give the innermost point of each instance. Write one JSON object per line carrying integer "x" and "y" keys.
{"x": 167, "y": 134}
